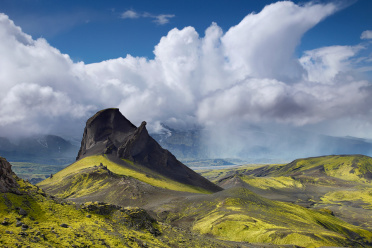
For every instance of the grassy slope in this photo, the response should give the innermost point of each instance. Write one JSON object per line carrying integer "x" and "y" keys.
{"x": 113, "y": 229}
{"x": 354, "y": 169}
{"x": 215, "y": 175}
{"x": 44, "y": 219}
{"x": 240, "y": 215}
{"x": 271, "y": 182}
{"x": 338, "y": 183}
{"x": 361, "y": 194}
{"x": 350, "y": 168}
{"x": 149, "y": 177}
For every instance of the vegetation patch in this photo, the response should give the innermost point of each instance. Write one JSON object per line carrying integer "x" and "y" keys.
{"x": 238, "y": 214}
{"x": 34, "y": 219}
{"x": 272, "y": 182}
{"x": 357, "y": 168}
{"x": 353, "y": 194}
{"x": 82, "y": 182}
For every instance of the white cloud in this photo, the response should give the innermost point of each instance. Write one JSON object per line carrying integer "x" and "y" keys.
{"x": 163, "y": 19}
{"x": 263, "y": 44}
{"x": 130, "y": 14}
{"x": 247, "y": 75}
{"x": 366, "y": 35}
{"x": 158, "y": 19}
{"x": 324, "y": 64}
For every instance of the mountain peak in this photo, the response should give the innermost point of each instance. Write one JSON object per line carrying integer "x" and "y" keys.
{"x": 109, "y": 133}
{"x": 107, "y": 128}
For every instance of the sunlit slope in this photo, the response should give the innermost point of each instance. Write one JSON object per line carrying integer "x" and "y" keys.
{"x": 42, "y": 218}
{"x": 74, "y": 176}
{"x": 215, "y": 175}
{"x": 238, "y": 214}
{"x": 31, "y": 218}
{"x": 346, "y": 167}
{"x": 341, "y": 184}
{"x": 328, "y": 172}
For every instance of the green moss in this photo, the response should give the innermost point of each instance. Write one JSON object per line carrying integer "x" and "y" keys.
{"x": 245, "y": 216}
{"x": 216, "y": 174}
{"x": 349, "y": 168}
{"x": 45, "y": 216}
{"x": 271, "y": 182}
{"x": 353, "y": 194}
{"x": 86, "y": 227}
{"x": 154, "y": 179}
{"x": 83, "y": 184}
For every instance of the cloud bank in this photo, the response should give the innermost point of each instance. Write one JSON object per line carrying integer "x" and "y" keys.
{"x": 223, "y": 81}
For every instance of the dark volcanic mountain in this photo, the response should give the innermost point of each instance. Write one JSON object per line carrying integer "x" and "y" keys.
{"x": 109, "y": 132}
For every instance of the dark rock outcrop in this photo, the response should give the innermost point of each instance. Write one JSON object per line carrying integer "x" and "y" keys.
{"x": 105, "y": 132}
{"x": 109, "y": 132}
{"x": 8, "y": 182}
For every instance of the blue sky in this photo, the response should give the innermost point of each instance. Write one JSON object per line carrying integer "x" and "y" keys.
{"x": 92, "y": 31}
{"x": 221, "y": 65}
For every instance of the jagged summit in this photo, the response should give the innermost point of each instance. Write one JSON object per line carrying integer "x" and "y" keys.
{"x": 109, "y": 133}
{"x": 107, "y": 128}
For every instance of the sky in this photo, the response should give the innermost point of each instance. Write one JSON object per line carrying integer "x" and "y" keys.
{"x": 220, "y": 65}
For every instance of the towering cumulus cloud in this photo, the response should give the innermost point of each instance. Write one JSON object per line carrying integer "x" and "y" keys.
{"x": 248, "y": 75}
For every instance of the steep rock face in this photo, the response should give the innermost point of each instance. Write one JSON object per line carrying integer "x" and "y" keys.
{"x": 104, "y": 131}
{"x": 7, "y": 177}
{"x": 109, "y": 132}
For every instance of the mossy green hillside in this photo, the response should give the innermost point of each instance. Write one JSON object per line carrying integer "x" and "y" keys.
{"x": 87, "y": 182}
{"x": 271, "y": 182}
{"x": 34, "y": 219}
{"x": 215, "y": 175}
{"x": 356, "y": 168}
{"x": 238, "y": 214}
{"x": 43, "y": 217}
{"x": 141, "y": 174}
{"x": 363, "y": 194}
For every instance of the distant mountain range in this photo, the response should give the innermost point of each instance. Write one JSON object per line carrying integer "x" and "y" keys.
{"x": 43, "y": 149}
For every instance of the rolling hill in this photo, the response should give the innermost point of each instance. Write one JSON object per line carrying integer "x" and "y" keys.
{"x": 31, "y": 218}
{"x": 238, "y": 214}
{"x": 341, "y": 184}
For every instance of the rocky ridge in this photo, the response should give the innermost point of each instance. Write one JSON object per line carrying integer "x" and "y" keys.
{"x": 109, "y": 133}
